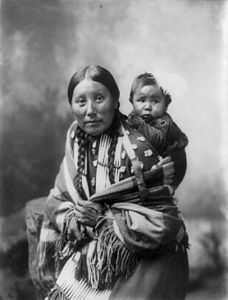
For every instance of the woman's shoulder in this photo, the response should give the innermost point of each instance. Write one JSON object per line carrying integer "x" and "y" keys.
{"x": 71, "y": 132}
{"x": 71, "y": 135}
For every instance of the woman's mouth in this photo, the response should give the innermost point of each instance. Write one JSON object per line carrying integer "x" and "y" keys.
{"x": 92, "y": 122}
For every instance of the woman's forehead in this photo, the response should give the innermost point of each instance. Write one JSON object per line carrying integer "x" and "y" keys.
{"x": 89, "y": 86}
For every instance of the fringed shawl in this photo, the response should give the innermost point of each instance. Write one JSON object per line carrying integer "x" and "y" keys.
{"x": 126, "y": 230}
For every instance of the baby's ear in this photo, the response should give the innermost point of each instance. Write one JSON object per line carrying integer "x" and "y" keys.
{"x": 168, "y": 99}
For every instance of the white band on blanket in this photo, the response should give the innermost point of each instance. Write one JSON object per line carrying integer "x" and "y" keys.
{"x": 75, "y": 289}
{"x": 128, "y": 145}
{"x": 102, "y": 173}
{"x": 69, "y": 183}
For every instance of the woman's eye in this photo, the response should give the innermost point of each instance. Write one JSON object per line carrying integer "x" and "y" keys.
{"x": 80, "y": 101}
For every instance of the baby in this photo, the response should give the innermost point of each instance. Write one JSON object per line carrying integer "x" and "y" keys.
{"x": 150, "y": 103}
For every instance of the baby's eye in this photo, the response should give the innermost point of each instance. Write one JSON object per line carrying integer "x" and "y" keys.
{"x": 155, "y": 100}
{"x": 141, "y": 100}
{"x": 99, "y": 98}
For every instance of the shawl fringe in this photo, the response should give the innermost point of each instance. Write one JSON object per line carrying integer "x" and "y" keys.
{"x": 63, "y": 247}
{"x": 111, "y": 259}
{"x": 102, "y": 261}
{"x": 56, "y": 293}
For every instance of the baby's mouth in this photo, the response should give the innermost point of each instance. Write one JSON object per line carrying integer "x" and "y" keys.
{"x": 147, "y": 117}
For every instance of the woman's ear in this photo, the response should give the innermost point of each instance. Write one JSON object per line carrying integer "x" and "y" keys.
{"x": 117, "y": 104}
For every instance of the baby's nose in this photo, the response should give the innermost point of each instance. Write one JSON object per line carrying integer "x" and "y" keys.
{"x": 148, "y": 106}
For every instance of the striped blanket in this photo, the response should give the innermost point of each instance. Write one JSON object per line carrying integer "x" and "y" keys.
{"x": 127, "y": 230}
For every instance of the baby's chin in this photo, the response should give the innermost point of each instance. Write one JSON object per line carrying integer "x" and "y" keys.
{"x": 147, "y": 118}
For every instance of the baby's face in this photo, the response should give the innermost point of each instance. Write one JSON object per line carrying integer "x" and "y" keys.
{"x": 149, "y": 102}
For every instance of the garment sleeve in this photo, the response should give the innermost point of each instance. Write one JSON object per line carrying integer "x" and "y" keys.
{"x": 168, "y": 140}
{"x": 156, "y": 137}
{"x": 59, "y": 201}
{"x": 175, "y": 139}
{"x": 63, "y": 196}
{"x": 180, "y": 166}
{"x": 176, "y": 142}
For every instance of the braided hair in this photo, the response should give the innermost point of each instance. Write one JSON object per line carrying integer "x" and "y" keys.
{"x": 103, "y": 76}
{"x": 147, "y": 79}
{"x": 113, "y": 132}
{"x": 82, "y": 142}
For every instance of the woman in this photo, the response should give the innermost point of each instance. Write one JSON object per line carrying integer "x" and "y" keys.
{"x": 123, "y": 225}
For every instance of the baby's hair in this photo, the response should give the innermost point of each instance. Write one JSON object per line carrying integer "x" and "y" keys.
{"x": 168, "y": 98}
{"x": 147, "y": 79}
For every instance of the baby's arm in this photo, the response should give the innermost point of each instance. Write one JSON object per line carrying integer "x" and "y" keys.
{"x": 176, "y": 142}
{"x": 155, "y": 136}
{"x": 175, "y": 138}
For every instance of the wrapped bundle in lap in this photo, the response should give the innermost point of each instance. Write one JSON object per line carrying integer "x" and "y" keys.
{"x": 129, "y": 230}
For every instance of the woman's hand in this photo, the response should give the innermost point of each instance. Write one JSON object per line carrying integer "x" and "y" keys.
{"x": 87, "y": 212}
{"x": 168, "y": 169}
{"x": 75, "y": 230}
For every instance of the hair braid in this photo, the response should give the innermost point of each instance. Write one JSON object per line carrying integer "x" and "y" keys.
{"x": 114, "y": 134}
{"x": 82, "y": 140}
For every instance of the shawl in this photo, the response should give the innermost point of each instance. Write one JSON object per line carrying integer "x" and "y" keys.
{"x": 138, "y": 219}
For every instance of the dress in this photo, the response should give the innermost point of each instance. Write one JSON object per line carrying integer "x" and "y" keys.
{"x": 167, "y": 138}
{"x": 141, "y": 234}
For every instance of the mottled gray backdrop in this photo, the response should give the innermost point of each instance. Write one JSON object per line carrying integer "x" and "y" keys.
{"x": 43, "y": 42}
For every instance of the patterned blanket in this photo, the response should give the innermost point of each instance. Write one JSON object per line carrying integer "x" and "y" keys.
{"x": 128, "y": 229}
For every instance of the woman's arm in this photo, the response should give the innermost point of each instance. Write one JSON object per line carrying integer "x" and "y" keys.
{"x": 59, "y": 201}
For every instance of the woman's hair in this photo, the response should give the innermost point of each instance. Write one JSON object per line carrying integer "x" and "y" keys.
{"x": 84, "y": 139}
{"x": 147, "y": 79}
{"x": 95, "y": 73}
{"x": 103, "y": 76}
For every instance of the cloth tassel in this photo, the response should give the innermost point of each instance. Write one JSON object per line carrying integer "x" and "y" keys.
{"x": 81, "y": 271}
{"x": 63, "y": 248}
{"x": 56, "y": 294}
{"x": 111, "y": 259}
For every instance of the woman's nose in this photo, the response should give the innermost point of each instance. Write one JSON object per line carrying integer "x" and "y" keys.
{"x": 91, "y": 109}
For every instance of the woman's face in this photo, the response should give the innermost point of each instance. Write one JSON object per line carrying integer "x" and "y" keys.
{"x": 149, "y": 102}
{"x": 93, "y": 106}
